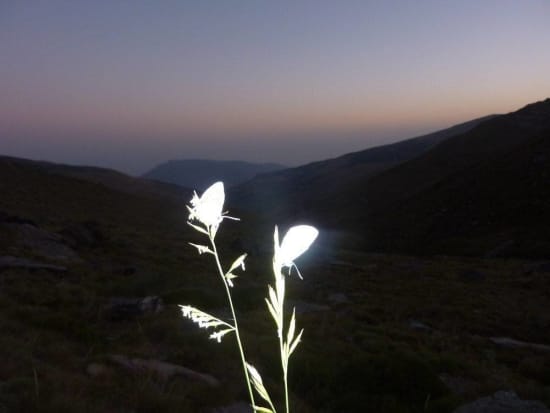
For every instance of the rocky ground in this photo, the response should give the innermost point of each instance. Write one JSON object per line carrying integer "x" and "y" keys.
{"x": 90, "y": 322}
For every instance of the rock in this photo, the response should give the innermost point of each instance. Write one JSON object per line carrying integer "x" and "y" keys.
{"x": 537, "y": 267}
{"x": 161, "y": 369}
{"x": 13, "y": 219}
{"x": 96, "y": 370}
{"x": 503, "y": 402}
{"x": 543, "y": 267}
{"x": 500, "y": 249}
{"x": 86, "y": 234}
{"x": 338, "y": 298}
{"x": 7, "y": 261}
{"x": 471, "y": 275}
{"x": 512, "y": 343}
{"x": 458, "y": 385}
{"x": 240, "y": 407}
{"x": 42, "y": 242}
{"x": 418, "y": 325}
{"x": 151, "y": 304}
{"x": 121, "y": 308}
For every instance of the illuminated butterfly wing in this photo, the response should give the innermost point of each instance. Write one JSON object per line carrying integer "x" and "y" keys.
{"x": 296, "y": 241}
{"x": 210, "y": 205}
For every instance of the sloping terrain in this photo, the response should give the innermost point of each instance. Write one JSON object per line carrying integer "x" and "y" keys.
{"x": 107, "y": 177}
{"x": 201, "y": 173}
{"x": 481, "y": 191}
{"x": 90, "y": 279}
{"x": 313, "y": 191}
{"x": 487, "y": 188}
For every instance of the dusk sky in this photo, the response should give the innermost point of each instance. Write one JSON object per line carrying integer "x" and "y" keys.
{"x": 129, "y": 84}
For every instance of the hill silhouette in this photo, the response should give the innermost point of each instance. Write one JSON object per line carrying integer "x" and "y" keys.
{"x": 478, "y": 188}
{"x": 201, "y": 173}
{"x": 49, "y": 192}
{"x": 484, "y": 190}
{"x": 313, "y": 191}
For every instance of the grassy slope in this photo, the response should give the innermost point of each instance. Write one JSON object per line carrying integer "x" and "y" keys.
{"x": 469, "y": 194}
{"x": 358, "y": 356}
{"x": 106, "y": 177}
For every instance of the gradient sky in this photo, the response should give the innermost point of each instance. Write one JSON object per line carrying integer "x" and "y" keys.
{"x": 128, "y": 84}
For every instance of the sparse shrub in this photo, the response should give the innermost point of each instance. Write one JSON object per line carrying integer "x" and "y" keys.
{"x": 205, "y": 216}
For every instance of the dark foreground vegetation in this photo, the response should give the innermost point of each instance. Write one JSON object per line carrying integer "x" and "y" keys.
{"x": 383, "y": 332}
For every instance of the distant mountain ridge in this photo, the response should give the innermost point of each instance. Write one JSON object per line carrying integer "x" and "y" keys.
{"x": 313, "y": 190}
{"x": 482, "y": 188}
{"x": 58, "y": 194}
{"x": 109, "y": 178}
{"x": 200, "y": 173}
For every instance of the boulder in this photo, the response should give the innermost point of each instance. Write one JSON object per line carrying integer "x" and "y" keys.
{"x": 338, "y": 298}
{"x": 8, "y": 261}
{"x": 543, "y": 267}
{"x": 418, "y": 325}
{"x": 96, "y": 370}
{"x": 472, "y": 275}
{"x": 83, "y": 235}
{"x": 121, "y": 308}
{"x": 512, "y": 343}
{"x": 42, "y": 242}
{"x": 503, "y": 402}
{"x": 162, "y": 370}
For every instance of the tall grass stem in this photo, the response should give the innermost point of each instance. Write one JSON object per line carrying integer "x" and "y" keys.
{"x": 235, "y": 323}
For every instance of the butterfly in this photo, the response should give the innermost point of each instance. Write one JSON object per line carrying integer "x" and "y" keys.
{"x": 296, "y": 241}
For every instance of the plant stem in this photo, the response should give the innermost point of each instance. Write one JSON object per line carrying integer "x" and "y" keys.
{"x": 235, "y": 324}
{"x": 284, "y": 363}
{"x": 284, "y": 359}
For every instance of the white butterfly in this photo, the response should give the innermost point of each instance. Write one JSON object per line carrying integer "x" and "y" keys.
{"x": 296, "y": 241}
{"x": 208, "y": 208}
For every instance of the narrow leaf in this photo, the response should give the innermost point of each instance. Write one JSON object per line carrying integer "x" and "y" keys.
{"x": 258, "y": 383}
{"x": 262, "y": 409}
{"x": 291, "y": 328}
{"x": 239, "y": 262}
{"x": 229, "y": 277}
{"x": 274, "y": 300}
{"x": 202, "y": 249}
{"x": 217, "y": 335}
{"x": 272, "y": 311}
{"x": 295, "y": 343}
{"x": 196, "y": 227}
{"x": 280, "y": 288}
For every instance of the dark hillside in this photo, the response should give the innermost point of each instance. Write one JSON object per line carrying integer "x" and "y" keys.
{"x": 106, "y": 177}
{"x": 313, "y": 191}
{"x": 55, "y": 193}
{"x": 473, "y": 193}
{"x": 489, "y": 140}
